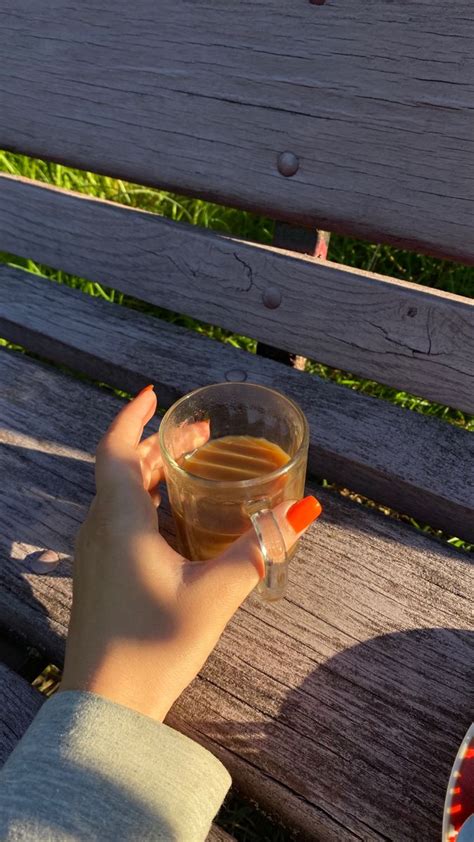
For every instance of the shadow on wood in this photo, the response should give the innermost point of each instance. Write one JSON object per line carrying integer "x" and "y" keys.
{"x": 366, "y": 776}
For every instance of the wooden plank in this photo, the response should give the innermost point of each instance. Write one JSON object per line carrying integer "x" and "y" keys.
{"x": 19, "y": 703}
{"x": 341, "y": 707}
{"x": 413, "y": 463}
{"x": 204, "y": 99}
{"x": 399, "y": 333}
{"x": 296, "y": 239}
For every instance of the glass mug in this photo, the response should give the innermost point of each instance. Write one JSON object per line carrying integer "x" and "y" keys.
{"x": 210, "y": 513}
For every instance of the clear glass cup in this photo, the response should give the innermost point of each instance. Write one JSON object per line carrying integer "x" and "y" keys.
{"x": 210, "y": 514}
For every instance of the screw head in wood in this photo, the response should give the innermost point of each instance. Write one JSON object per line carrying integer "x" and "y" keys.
{"x": 288, "y": 163}
{"x": 271, "y": 298}
{"x": 236, "y": 375}
{"x": 43, "y": 561}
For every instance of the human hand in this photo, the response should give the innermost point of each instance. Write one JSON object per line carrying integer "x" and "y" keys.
{"x": 144, "y": 619}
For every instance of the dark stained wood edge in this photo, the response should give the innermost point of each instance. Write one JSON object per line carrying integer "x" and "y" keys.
{"x": 19, "y": 704}
{"x": 219, "y": 835}
{"x": 416, "y": 339}
{"x": 413, "y": 463}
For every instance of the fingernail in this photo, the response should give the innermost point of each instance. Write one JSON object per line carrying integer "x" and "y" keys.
{"x": 146, "y": 389}
{"x": 302, "y": 513}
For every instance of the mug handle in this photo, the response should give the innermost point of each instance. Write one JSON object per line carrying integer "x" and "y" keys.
{"x": 275, "y": 557}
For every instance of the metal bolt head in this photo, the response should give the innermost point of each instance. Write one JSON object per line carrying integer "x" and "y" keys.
{"x": 43, "y": 561}
{"x": 288, "y": 163}
{"x": 271, "y": 297}
{"x": 236, "y": 375}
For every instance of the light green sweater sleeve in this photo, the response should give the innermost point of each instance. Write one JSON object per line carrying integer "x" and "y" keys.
{"x": 88, "y": 769}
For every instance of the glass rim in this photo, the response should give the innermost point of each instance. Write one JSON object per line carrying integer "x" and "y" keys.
{"x": 240, "y": 483}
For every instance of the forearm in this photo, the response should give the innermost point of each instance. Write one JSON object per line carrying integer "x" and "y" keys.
{"x": 90, "y": 769}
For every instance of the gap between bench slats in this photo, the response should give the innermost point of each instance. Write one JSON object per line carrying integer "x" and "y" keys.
{"x": 208, "y": 98}
{"x": 339, "y": 708}
{"x": 395, "y": 332}
{"x": 413, "y": 463}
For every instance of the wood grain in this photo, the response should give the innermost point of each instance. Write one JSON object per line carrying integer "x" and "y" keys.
{"x": 398, "y": 333}
{"x": 19, "y": 703}
{"x": 411, "y": 462}
{"x": 374, "y": 99}
{"x": 341, "y": 708}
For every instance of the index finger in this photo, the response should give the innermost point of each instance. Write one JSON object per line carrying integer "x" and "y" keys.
{"x": 117, "y": 450}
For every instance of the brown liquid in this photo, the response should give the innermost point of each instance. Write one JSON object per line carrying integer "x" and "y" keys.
{"x": 234, "y": 458}
{"x": 207, "y": 528}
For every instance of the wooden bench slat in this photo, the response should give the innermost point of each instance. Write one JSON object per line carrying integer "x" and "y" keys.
{"x": 405, "y": 335}
{"x": 413, "y": 463}
{"x": 341, "y": 707}
{"x": 208, "y": 98}
{"x": 19, "y": 704}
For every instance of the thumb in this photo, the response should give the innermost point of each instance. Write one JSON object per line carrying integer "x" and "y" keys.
{"x": 235, "y": 573}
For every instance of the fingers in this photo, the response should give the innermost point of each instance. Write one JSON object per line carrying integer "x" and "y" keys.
{"x": 127, "y": 427}
{"x": 151, "y": 461}
{"x": 185, "y": 440}
{"x": 191, "y": 436}
{"x": 155, "y": 497}
{"x": 117, "y": 456}
{"x": 237, "y": 571}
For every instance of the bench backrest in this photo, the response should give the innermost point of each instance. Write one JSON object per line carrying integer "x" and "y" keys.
{"x": 371, "y": 100}
{"x": 351, "y": 117}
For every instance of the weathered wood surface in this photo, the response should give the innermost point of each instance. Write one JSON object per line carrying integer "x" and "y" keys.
{"x": 416, "y": 339}
{"x": 341, "y": 707}
{"x": 19, "y": 703}
{"x": 292, "y": 238}
{"x": 413, "y": 463}
{"x": 373, "y": 98}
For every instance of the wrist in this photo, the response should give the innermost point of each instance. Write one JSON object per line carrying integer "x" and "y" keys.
{"x": 147, "y": 688}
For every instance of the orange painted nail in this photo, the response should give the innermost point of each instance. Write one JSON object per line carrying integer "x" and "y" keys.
{"x": 302, "y": 513}
{"x": 146, "y": 389}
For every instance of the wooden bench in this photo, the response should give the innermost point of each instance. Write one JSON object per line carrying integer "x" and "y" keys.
{"x": 339, "y": 709}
